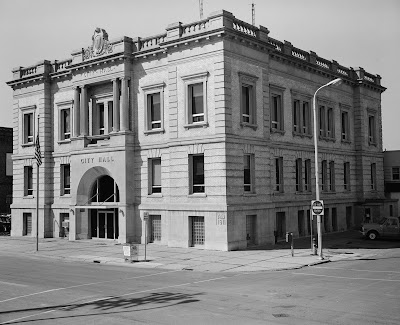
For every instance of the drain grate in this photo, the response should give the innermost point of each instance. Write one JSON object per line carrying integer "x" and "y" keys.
{"x": 280, "y": 315}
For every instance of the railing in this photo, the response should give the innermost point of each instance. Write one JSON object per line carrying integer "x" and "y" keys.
{"x": 343, "y": 71}
{"x": 152, "y": 42}
{"x": 369, "y": 77}
{"x": 61, "y": 65}
{"x": 244, "y": 27}
{"x": 323, "y": 63}
{"x": 195, "y": 27}
{"x": 28, "y": 71}
{"x": 278, "y": 45}
{"x": 300, "y": 54}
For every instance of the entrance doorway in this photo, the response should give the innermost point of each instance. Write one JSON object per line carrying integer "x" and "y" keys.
{"x": 104, "y": 224}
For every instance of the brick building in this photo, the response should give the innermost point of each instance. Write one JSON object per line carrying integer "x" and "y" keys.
{"x": 6, "y": 172}
{"x": 206, "y": 128}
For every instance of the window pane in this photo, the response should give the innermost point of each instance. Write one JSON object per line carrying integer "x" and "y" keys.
{"x": 155, "y": 107}
{"x": 156, "y": 172}
{"x": 198, "y": 174}
{"x": 246, "y": 99}
{"x": 197, "y": 98}
{"x": 247, "y": 173}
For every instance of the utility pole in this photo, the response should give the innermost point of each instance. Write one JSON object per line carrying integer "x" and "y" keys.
{"x": 253, "y": 14}
{"x": 201, "y": 9}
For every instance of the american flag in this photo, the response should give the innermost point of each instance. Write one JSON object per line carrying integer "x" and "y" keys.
{"x": 38, "y": 155}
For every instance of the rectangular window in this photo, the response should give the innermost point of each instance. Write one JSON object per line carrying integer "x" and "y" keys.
{"x": 248, "y": 173}
{"x": 371, "y": 129}
{"x": 307, "y": 175}
{"x": 279, "y": 174}
{"x": 197, "y": 232}
{"x": 155, "y": 175}
{"x": 196, "y": 163}
{"x": 155, "y": 231}
{"x": 332, "y": 176}
{"x": 65, "y": 179}
{"x": 345, "y": 125}
{"x": 196, "y": 102}
{"x": 322, "y": 127}
{"x": 154, "y": 111}
{"x": 373, "y": 176}
{"x": 27, "y": 224}
{"x": 324, "y": 174}
{"x": 101, "y": 118}
{"x": 65, "y": 124}
{"x": 301, "y": 117}
{"x": 28, "y": 128}
{"x": 330, "y": 123}
{"x": 395, "y": 173}
{"x": 276, "y": 112}
{"x": 247, "y": 99}
{"x": 299, "y": 175}
{"x": 346, "y": 176}
{"x": 9, "y": 164}
{"x": 28, "y": 180}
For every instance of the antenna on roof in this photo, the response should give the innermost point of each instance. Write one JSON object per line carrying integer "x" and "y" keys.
{"x": 201, "y": 8}
{"x": 253, "y": 14}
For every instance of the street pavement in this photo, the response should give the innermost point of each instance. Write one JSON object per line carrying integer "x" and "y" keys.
{"x": 347, "y": 245}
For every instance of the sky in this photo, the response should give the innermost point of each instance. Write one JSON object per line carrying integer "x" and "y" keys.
{"x": 355, "y": 33}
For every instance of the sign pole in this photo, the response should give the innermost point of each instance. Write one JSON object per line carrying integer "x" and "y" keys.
{"x": 37, "y": 207}
{"x": 317, "y": 208}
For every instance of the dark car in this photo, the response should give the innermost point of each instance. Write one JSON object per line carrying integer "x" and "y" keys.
{"x": 5, "y": 224}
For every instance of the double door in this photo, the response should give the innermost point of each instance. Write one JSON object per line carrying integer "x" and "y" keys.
{"x": 104, "y": 225}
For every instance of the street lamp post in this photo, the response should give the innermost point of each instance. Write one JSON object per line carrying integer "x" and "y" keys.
{"x": 319, "y": 230}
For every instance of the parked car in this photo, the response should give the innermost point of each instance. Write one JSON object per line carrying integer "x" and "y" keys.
{"x": 5, "y": 223}
{"x": 387, "y": 227}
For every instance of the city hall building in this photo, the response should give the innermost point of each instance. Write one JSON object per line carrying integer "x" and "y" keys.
{"x": 203, "y": 134}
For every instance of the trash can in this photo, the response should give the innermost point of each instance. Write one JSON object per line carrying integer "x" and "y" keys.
{"x": 131, "y": 252}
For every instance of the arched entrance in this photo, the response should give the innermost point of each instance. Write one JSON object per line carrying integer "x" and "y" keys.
{"x": 104, "y": 221}
{"x": 97, "y": 207}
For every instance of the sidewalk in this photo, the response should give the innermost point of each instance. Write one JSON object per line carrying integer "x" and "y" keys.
{"x": 270, "y": 258}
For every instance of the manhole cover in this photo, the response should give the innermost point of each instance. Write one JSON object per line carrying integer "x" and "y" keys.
{"x": 280, "y": 315}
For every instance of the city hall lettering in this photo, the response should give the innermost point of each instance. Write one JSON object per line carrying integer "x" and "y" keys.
{"x": 206, "y": 128}
{"x": 109, "y": 159}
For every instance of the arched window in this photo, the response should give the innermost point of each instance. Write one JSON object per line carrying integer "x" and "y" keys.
{"x": 105, "y": 190}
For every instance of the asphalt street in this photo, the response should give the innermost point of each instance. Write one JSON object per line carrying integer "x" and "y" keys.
{"x": 42, "y": 291}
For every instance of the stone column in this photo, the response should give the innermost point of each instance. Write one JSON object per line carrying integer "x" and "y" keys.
{"x": 116, "y": 108}
{"x": 76, "y": 112}
{"x": 124, "y": 114}
{"x": 84, "y": 112}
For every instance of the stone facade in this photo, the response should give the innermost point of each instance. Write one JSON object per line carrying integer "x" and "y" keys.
{"x": 391, "y": 164}
{"x": 218, "y": 85}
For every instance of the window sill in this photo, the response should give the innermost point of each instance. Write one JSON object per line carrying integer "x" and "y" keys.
{"x": 196, "y": 125}
{"x": 155, "y": 195}
{"x": 303, "y": 193}
{"x": 29, "y": 144}
{"x": 249, "y": 125}
{"x": 155, "y": 131}
{"x": 64, "y": 141}
{"x": 28, "y": 197}
{"x": 327, "y": 139}
{"x": 197, "y": 195}
{"x": 302, "y": 135}
{"x": 65, "y": 195}
{"x": 281, "y": 132}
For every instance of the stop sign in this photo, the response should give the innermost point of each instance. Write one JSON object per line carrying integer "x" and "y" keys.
{"x": 317, "y": 207}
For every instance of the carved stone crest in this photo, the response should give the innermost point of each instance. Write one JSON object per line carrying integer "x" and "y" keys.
{"x": 100, "y": 45}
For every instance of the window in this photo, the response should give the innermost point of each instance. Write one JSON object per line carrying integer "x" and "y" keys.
{"x": 301, "y": 116}
{"x": 307, "y": 175}
{"x": 196, "y": 99}
{"x": 346, "y": 176}
{"x": 276, "y": 104}
{"x": 248, "y": 171}
{"x": 373, "y": 176}
{"x": 9, "y": 164}
{"x": 28, "y": 180}
{"x": 27, "y": 224}
{"x": 102, "y": 115}
{"x": 197, "y": 231}
{"x": 326, "y": 122}
{"x": 248, "y": 99}
{"x": 65, "y": 179}
{"x": 154, "y": 113}
{"x": 332, "y": 176}
{"x": 65, "y": 124}
{"x": 28, "y": 128}
{"x": 154, "y": 108}
{"x": 155, "y": 175}
{"x": 299, "y": 175}
{"x": 279, "y": 174}
{"x": 371, "y": 129}
{"x": 324, "y": 173}
{"x": 155, "y": 231}
{"x": 196, "y": 163}
{"x": 345, "y": 126}
{"x": 395, "y": 173}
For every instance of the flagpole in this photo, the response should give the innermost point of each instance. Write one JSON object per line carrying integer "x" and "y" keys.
{"x": 37, "y": 185}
